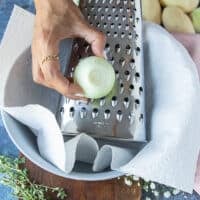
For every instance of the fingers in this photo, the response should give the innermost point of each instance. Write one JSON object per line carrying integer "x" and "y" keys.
{"x": 55, "y": 80}
{"x": 49, "y": 75}
{"x": 66, "y": 87}
{"x": 95, "y": 38}
{"x": 36, "y": 71}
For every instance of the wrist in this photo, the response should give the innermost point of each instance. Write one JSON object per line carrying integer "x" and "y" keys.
{"x": 42, "y": 6}
{"x": 51, "y": 6}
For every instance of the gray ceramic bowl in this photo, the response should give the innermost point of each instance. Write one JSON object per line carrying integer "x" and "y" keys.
{"x": 26, "y": 143}
{"x": 19, "y": 86}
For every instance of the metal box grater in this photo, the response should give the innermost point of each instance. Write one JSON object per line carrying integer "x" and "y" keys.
{"x": 121, "y": 114}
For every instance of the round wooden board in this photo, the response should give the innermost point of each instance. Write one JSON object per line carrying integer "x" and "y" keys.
{"x": 114, "y": 189}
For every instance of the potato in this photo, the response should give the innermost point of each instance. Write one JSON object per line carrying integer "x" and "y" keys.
{"x": 151, "y": 10}
{"x": 175, "y": 20}
{"x": 185, "y": 5}
{"x": 195, "y": 15}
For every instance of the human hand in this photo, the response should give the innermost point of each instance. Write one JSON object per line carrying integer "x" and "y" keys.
{"x": 56, "y": 20}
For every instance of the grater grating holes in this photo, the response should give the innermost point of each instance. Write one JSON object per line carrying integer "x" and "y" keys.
{"x": 131, "y": 87}
{"x": 117, "y": 48}
{"x": 117, "y": 20}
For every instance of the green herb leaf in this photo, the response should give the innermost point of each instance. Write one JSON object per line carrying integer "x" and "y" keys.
{"x": 16, "y": 178}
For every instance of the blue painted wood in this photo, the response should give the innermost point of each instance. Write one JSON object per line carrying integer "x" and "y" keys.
{"x": 6, "y": 146}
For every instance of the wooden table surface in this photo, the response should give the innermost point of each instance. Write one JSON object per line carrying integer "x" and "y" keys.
{"x": 114, "y": 189}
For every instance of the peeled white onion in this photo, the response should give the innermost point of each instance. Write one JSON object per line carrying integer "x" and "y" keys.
{"x": 76, "y": 2}
{"x": 96, "y": 77}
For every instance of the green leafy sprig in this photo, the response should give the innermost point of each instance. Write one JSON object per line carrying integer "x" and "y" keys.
{"x": 17, "y": 178}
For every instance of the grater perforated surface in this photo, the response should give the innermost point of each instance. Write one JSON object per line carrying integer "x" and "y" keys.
{"x": 120, "y": 115}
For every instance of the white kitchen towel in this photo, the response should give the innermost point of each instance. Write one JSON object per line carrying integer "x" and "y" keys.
{"x": 173, "y": 96}
{"x": 50, "y": 141}
{"x": 113, "y": 157}
{"x": 173, "y": 113}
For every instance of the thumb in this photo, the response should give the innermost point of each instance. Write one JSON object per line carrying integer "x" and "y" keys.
{"x": 95, "y": 38}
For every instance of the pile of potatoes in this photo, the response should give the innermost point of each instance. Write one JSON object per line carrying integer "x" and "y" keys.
{"x": 175, "y": 15}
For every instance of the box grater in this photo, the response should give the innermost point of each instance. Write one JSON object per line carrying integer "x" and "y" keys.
{"x": 121, "y": 114}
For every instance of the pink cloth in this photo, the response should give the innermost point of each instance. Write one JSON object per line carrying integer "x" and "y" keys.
{"x": 192, "y": 44}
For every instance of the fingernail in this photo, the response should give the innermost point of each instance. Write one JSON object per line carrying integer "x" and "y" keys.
{"x": 80, "y": 95}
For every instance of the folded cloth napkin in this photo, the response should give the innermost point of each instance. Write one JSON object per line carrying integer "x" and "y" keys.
{"x": 173, "y": 112}
{"x": 172, "y": 87}
{"x": 49, "y": 138}
{"x": 192, "y": 44}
